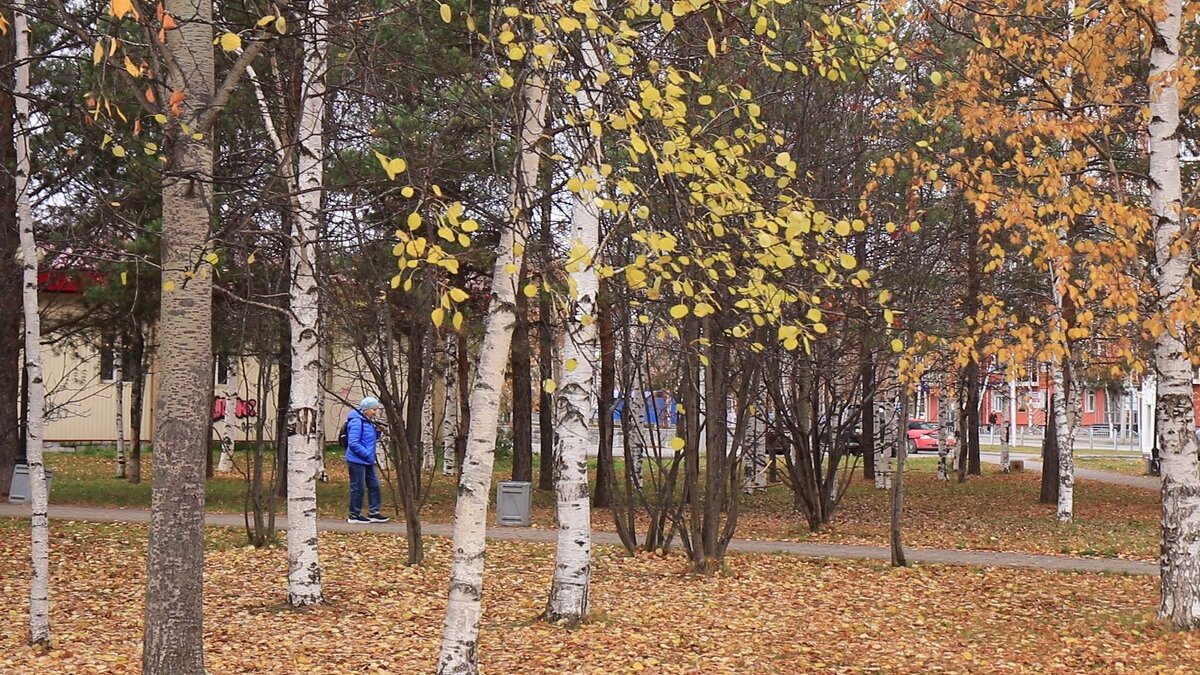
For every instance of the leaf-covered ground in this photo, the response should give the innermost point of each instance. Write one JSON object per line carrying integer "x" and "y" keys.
{"x": 765, "y": 614}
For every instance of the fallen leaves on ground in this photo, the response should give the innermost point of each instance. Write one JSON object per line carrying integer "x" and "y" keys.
{"x": 764, "y": 614}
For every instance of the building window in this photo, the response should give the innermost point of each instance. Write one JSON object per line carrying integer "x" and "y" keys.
{"x": 1089, "y": 401}
{"x": 998, "y": 402}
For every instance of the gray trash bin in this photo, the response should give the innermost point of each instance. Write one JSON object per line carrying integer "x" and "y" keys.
{"x": 513, "y": 501}
{"x": 19, "y": 492}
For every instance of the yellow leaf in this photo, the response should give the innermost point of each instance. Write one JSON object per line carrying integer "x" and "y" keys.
{"x": 119, "y": 8}
{"x": 901, "y": 63}
{"x": 846, "y": 260}
{"x": 703, "y": 309}
{"x": 506, "y": 80}
{"x": 458, "y": 295}
{"x": 97, "y": 54}
{"x": 168, "y": 286}
{"x": 118, "y": 151}
{"x": 677, "y": 442}
{"x": 549, "y": 386}
{"x": 679, "y": 311}
{"x": 447, "y": 15}
{"x": 211, "y": 258}
{"x": 395, "y": 281}
{"x": 510, "y": 268}
{"x": 231, "y": 42}
{"x": 414, "y": 220}
{"x": 265, "y": 20}
{"x": 281, "y": 25}
{"x": 712, "y": 47}
{"x": 124, "y": 278}
{"x": 935, "y": 77}
{"x": 530, "y": 290}
{"x": 897, "y": 345}
{"x": 457, "y": 321}
{"x": 131, "y": 68}
{"x": 668, "y": 21}
{"x": 571, "y": 365}
{"x": 438, "y": 315}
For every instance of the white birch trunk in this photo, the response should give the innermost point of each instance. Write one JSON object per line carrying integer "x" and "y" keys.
{"x": 637, "y": 428}
{"x": 460, "y": 632}
{"x": 304, "y": 570}
{"x": 1180, "y": 561}
{"x": 450, "y": 420}
{"x": 230, "y": 420}
{"x": 755, "y": 478}
{"x": 943, "y": 467}
{"x": 1064, "y": 424}
{"x": 570, "y": 589}
{"x": 39, "y": 586}
{"x": 119, "y": 376}
{"x": 883, "y": 454}
{"x": 1009, "y": 433}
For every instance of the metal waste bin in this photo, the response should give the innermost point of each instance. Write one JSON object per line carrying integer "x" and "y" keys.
{"x": 513, "y": 502}
{"x": 18, "y": 493}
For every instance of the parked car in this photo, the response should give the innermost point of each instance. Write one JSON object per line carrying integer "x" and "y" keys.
{"x": 923, "y": 435}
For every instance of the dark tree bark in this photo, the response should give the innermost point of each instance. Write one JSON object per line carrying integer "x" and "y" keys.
{"x": 464, "y": 405}
{"x": 137, "y": 402}
{"x": 605, "y": 473}
{"x": 970, "y": 434}
{"x": 1049, "y": 491}
{"x": 963, "y": 442}
{"x": 10, "y": 279}
{"x": 866, "y": 371}
{"x": 415, "y": 402}
{"x": 283, "y": 405}
{"x": 899, "y": 559}
{"x": 522, "y": 397}
{"x": 545, "y": 354}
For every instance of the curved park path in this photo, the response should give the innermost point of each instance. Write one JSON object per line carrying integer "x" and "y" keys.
{"x": 932, "y": 556}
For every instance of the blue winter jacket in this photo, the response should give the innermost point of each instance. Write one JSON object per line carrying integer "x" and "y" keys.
{"x": 361, "y": 436}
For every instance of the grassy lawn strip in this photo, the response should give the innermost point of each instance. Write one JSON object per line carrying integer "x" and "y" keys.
{"x": 764, "y": 614}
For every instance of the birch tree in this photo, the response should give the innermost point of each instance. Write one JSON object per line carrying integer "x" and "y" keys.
{"x": 460, "y": 632}
{"x": 39, "y": 585}
{"x": 1180, "y": 562}
{"x": 229, "y": 419}
{"x": 304, "y": 447}
{"x": 569, "y": 590}
{"x": 119, "y": 385}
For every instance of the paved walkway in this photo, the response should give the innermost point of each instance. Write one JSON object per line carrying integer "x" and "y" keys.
{"x": 807, "y": 550}
{"x": 1033, "y": 463}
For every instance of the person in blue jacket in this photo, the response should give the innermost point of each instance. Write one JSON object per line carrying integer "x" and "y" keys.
{"x": 361, "y": 437}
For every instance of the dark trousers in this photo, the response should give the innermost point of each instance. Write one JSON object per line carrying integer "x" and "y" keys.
{"x": 363, "y": 475}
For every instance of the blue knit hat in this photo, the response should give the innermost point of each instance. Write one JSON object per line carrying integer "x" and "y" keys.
{"x": 369, "y": 402}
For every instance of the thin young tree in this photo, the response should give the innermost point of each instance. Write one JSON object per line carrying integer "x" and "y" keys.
{"x": 304, "y": 439}
{"x": 39, "y": 586}
{"x": 460, "y": 633}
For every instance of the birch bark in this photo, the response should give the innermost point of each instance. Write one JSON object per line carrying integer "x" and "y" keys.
{"x": 231, "y": 397}
{"x": 304, "y": 465}
{"x": 39, "y": 585}
{"x": 450, "y": 419}
{"x": 460, "y": 632}
{"x": 119, "y": 383}
{"x": 1180, "y": 561}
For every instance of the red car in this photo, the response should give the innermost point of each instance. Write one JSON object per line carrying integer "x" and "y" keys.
{"x": 923, "y": 435}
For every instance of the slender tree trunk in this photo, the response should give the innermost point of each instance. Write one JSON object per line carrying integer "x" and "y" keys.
{"x": 283, "y": 409}
{"x": 39, "y": 585}
{"x": 452, "y": 428}
{"x": 1180, "y": 563}
{"x": 545, "y": 350}
{"x": 897, "y": 504}
{"x": 460, "y": 634}
{"x": 1050, "y": 482}
{"x": 119, "y": 384}
{"x": 174, "y": 635}
{"x": 943, "y": 467}
{"x": 605, "y": 472}
{"x": 463, "y": 378}
{"x": 137, "y": 402}
{"x": 304, "y": 439}
{"x": 428, "y": 397}
{"x": 1064, "y": 431}
{"x": 230, "y": 420}
{"x": 866, "y": 372}
{"x": 969, "y": 434}
{"x": 11, "y": 278}
{"x": 522, "y": 396}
